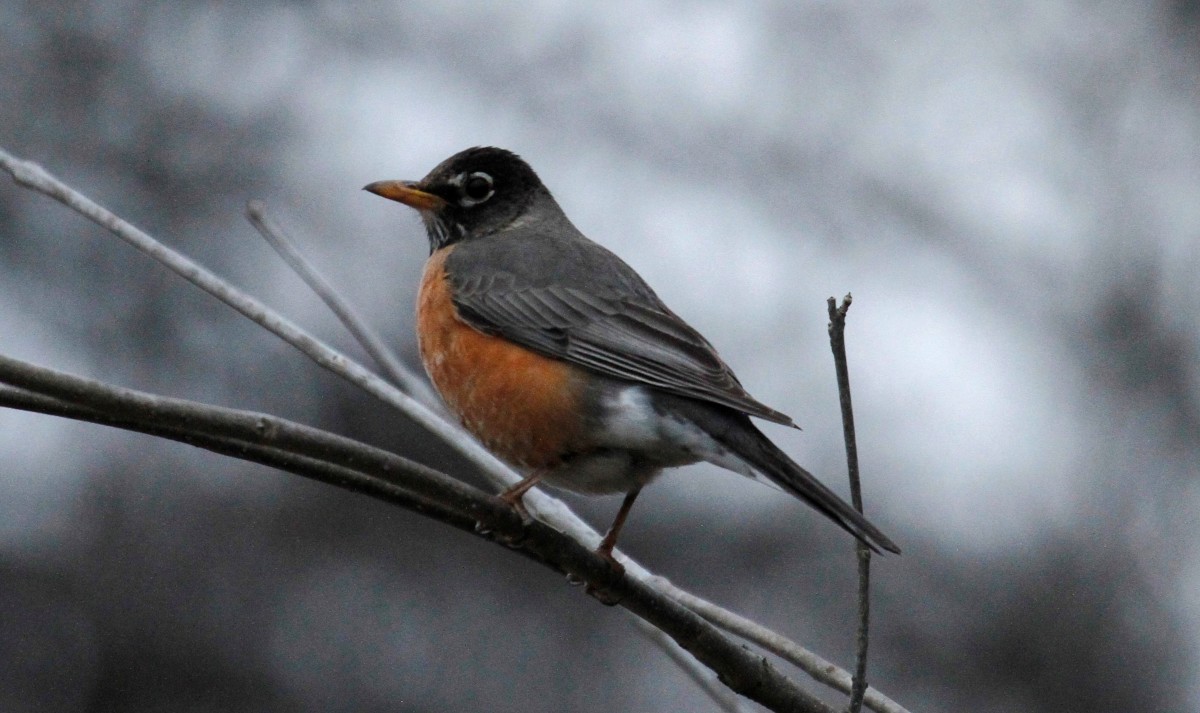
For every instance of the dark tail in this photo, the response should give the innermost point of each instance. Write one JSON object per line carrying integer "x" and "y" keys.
{"x": 766, "y": 457}
{"x": 736, "y": 432}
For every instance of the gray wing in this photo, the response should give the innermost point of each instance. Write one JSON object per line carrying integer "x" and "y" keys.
{"x": 624, "y": 332}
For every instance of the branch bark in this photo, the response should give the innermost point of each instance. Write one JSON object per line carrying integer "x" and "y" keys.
{"x": 837, "y": 341}
{"x": 348, "y": 464}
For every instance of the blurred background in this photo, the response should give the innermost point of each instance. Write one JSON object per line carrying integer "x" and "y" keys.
{"x": 1011, "y": 190}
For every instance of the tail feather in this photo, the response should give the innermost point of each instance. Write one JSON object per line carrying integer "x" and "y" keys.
{"x": 736, "y": 432}
{"x": 772, "y": 462}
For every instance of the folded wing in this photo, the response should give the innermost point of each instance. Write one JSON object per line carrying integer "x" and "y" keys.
{"x": 630, "y": 336}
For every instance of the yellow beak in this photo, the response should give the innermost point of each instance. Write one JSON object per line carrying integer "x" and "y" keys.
{"x": 406, "y": 193}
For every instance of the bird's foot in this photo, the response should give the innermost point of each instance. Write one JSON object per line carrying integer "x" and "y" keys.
{"x": 604, "y": 595}
{"x": 516, "y": 501}
{"x": 515, "y": 495}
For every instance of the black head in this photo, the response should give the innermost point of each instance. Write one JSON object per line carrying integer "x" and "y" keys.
{"x": 469, "y": 195}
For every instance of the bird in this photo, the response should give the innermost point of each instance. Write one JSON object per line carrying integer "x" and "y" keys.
{"x": 560, "y": 359}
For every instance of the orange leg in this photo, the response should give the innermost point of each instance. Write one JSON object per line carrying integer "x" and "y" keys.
{"x": 610, "y": 538}
{"x": 513, "y": 495}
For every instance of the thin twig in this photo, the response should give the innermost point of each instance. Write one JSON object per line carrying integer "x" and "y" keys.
{"x": 744, "y": 672}
{"x": 395, "y": 369}
{"x": 725, "y": 699}
{"x": 837, "y": 341}
{"x": 814, "y": 665}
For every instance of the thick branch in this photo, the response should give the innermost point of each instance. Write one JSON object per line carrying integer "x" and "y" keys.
{"x": 314, "y": 468}
{"x": 377, "y": 473}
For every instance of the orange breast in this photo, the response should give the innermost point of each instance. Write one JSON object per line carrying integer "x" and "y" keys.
{"x": 521, "y": 405}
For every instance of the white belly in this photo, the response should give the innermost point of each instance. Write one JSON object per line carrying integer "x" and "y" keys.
{"x": 635, "y": 442}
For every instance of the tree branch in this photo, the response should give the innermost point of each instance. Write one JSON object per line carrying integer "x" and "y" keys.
{"x": 316, "y": 469}
{"x": 722, "y": 696}
{"x": 395, "y": 369}
{"x": 348, "y": 464}
{"x": 837, "y": 341}
{"x": 812, "y": 664}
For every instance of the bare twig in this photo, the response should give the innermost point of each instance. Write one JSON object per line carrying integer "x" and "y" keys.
{"x": 364, "y": 469}
{"x": 395, "y": 369}
{"x": 725, "y": 699}
{"x": 814, "y": 665}
{"x": 837, "y": 341}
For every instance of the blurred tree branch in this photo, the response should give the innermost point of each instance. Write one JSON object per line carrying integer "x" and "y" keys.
{"x": 563, "y": 543}
{"x": 397, "y": 372}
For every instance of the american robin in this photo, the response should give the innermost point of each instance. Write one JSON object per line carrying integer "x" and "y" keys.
{"x": 562, "y": 361}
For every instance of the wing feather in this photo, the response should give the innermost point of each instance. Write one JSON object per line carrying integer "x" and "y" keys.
{"x": 627, "y": 336}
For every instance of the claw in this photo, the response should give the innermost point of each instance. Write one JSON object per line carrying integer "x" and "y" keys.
{"x": 606, "y": 596}
{"x": 514, "y": 495}
{"x": 517, "y": 502}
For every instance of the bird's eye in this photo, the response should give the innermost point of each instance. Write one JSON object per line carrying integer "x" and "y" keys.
{"x": 477, "y": 188}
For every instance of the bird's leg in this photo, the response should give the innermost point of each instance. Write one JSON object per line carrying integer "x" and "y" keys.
{"x": 514, "y": 495}
{"x": 610, "y": 538}
{"x": 607, "y": 544}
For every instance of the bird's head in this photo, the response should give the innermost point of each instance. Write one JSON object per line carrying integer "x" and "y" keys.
{"x": 472, "y": 194}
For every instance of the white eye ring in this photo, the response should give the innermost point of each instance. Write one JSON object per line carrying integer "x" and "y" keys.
{"x": 474, "y": 182}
